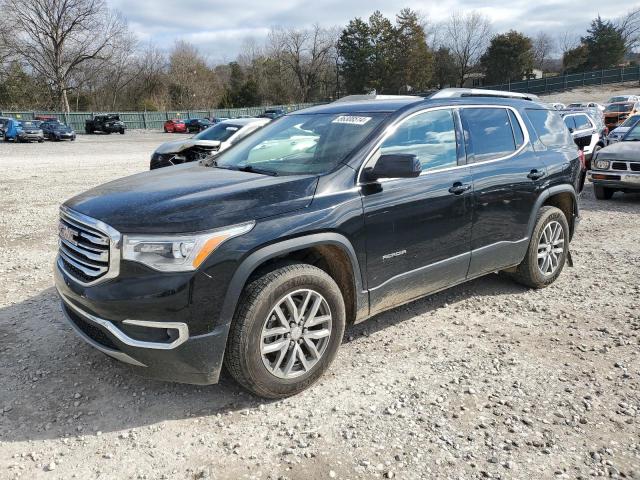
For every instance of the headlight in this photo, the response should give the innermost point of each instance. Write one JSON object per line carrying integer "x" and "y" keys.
{"x": 602, "y": 164}
{"x": 178, "y": 253}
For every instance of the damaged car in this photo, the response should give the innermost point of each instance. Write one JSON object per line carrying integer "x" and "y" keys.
{"x": 208, "y": 142}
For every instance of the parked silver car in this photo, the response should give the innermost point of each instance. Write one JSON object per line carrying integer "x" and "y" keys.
{"x": 213, "y": 140}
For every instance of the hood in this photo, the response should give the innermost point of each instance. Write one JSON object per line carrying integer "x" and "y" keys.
{"x": 191, "y": 198}
{"x": 177, "y": 146}
{"x": 625, "y": 151}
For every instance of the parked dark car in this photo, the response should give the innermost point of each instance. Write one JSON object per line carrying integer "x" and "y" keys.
{"x": 196, "y": 125}
{"x": 616, "y": 168}
{"x": 273, "y": 113}
{"x": 259, "y": 261}
{"x": 110, "y": 123}
{"x": 57, "y": 131}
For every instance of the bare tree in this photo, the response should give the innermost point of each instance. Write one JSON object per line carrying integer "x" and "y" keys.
{"x": 629, "y": 26}
{"x": 308, "y": 54}
{"x": 467, "y": 38}
{"x": 567, "y": 41}
{"x": 56, "y": 37}
{"x": 543, "y": 47}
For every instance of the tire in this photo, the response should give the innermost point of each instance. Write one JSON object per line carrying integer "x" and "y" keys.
{"x": 603, "y": 193}
{"x": 122, "y": 132}
{"x": 256, "y": 312}
{"x": 534, "y": 272}
{"x": 165, "y": 130}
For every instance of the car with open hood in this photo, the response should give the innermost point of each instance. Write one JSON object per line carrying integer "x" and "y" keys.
{"x": 208, "y": 142}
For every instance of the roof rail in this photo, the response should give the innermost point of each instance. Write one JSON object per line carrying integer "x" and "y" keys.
{"x": 364, "y": 97}
{"x": 479, "y": 92}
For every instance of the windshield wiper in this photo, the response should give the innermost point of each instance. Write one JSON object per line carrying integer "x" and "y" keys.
{"x": 258, "y": 170}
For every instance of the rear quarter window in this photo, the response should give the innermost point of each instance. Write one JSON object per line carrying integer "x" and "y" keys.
{"x": 551, "y": 130}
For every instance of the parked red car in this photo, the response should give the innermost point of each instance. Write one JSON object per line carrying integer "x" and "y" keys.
{"x": 175, "y": 126}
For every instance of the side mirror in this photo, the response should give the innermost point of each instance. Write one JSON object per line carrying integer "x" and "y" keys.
{"x": 395, "y": 165}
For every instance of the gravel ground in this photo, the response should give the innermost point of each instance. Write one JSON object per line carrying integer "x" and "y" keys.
{"x": 594, "y": 93}
{"x": 485, "y": 380}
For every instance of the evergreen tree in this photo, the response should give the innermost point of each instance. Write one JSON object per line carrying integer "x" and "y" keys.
{"x": 605, "y": 45}
{"x": 509, "y": 57}
{"x": 414, "y": 59}
{"x": 445, "y": 72}
{"x": 355, "y": 51}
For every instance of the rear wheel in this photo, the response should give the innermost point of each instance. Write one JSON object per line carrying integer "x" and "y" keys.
{"x": 286, "y": 331}
{"x": 603, "y": 193}
{"x": 547, "y": 250}
{"x": 122, "y": 131}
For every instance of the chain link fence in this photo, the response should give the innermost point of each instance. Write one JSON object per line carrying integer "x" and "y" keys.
{"x": 541, "y": 86}
{"x": 153, "y": 120}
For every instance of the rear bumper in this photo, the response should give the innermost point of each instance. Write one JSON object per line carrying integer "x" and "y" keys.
{"x": 619, "y": 180}
{"x": 162, "y": 350}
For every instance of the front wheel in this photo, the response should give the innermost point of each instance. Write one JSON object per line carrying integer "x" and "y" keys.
{"x": 286, "y": 331}
{"x": 603, "y": 193}
{"x": 122, "y": 131}
{"x": 547, "y": 250}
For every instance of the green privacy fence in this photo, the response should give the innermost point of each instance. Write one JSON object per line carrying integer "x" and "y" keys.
{"x": 540, "y": 86}
{"x": 152, "y": 120}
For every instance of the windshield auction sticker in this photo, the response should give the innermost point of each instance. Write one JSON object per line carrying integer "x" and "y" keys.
{"x": 351, "y": 120}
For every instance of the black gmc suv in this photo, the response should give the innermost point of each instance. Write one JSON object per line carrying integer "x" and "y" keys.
{"x": 259, "y": 257}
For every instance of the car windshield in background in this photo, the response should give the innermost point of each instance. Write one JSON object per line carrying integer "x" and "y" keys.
{"x": 221, "y": 132}
{"x": 633, "y": 135}
{"x": 29, "y": 125}
{"x": 618, "y": 99}
{"x": 302, "y": 144}
{"x": 630, "y": 121}
{"x": 619, "y": 108}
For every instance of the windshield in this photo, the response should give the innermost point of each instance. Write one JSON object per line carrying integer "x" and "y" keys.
{"x": 29, "y": 125}
{"x": 633, "y": 135}
{"x": 618, "y": 99}
{"x": 302, "y": 144}
{"x": 221, "y": 132}
{"x": 630, "y": 121}
{"x": 619, "y": 108}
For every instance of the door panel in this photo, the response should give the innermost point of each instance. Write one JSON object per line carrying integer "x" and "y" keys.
{"x": 418, "y": 236}
{"x": 506, "y": 185}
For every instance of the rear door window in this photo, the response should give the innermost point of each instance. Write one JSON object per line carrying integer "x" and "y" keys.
{"x": 583, "y": 122}
{"x": 551, "y": 130}
{"x": 570, "y": 122}
{"x": 488, "y": 133}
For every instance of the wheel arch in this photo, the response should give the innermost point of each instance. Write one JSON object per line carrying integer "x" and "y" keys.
{"x": 330, "y": 251}
{"x": 560, "y": 196}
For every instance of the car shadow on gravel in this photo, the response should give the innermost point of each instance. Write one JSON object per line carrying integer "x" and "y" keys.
{"x": 54, "y": 385}
{"x": 620, "y": 202}
{"x": 492, "y": 285}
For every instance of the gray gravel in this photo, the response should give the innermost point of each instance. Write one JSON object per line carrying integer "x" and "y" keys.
{"x": 486, "y": 380}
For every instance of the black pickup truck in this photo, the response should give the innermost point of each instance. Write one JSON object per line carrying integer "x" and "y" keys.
{"x": 110, "y": 123}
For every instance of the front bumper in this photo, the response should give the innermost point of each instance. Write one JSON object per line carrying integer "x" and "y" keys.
{"x": 29, "y": 137}
{"x": 159, "y": 349}
{"x": 619, "y": 180}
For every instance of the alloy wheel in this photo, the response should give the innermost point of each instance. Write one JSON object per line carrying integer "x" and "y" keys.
{"x": 550, "y": 248}
{"x": 296, "y": 333}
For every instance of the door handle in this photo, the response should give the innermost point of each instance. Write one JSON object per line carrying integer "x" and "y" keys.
{"x": 459, "y": 188}
{"x": 535, "y": 174}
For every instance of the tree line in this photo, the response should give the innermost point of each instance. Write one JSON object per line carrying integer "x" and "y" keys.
{"x": 81, "y": 55}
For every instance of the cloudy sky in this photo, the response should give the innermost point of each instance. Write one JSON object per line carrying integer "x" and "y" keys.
{"x": 219, "y": 27}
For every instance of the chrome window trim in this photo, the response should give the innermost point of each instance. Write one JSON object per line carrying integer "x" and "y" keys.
{"x": 115, "y": 245}
{"x": 390, "y": 130}
{"x": 181, "y": 327}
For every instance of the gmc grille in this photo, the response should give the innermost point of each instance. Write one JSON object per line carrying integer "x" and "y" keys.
{"x": 84, "y": 250}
